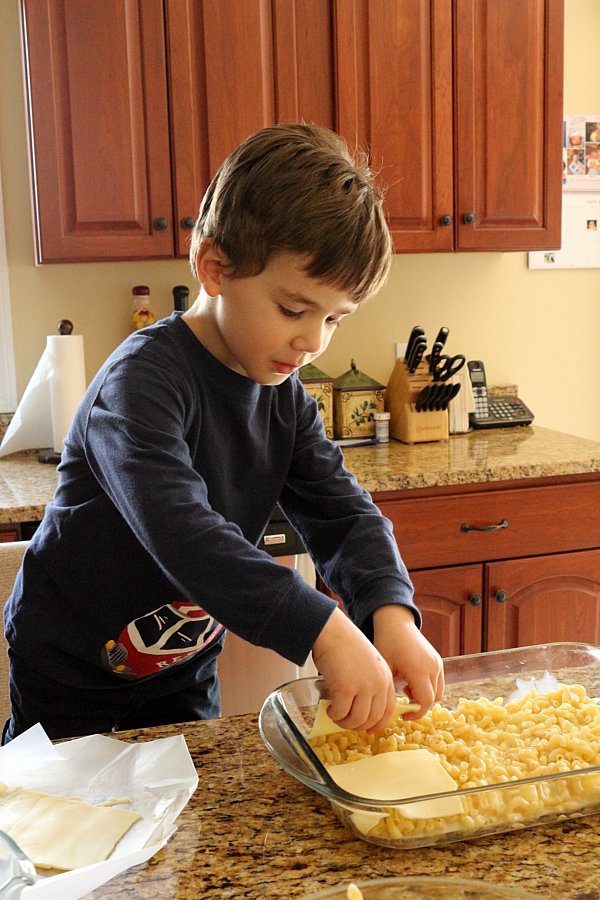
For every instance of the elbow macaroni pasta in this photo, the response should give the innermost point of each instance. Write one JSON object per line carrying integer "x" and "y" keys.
{"x": 484, "y": 742}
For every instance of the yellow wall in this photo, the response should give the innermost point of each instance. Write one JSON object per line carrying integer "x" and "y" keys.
{"x": 519, "y": 322}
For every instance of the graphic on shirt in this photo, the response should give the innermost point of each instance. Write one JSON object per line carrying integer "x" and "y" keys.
{"x": 166, "y": 636}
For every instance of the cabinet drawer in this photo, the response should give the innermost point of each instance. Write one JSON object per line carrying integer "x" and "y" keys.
{"x": 430, "y": 531}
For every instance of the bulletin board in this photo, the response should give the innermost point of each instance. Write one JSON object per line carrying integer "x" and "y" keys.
{"x": 580, "y": 238}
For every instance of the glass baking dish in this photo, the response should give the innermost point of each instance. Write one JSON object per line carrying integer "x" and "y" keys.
{"x": 288, "y": 713}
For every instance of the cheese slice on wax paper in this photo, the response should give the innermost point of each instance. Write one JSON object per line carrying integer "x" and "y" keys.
{"x": 14, "y": 805}
{"x": 324, "y": 725}
{"x": 63, "y": 833}
{"x": 396, "y": 775}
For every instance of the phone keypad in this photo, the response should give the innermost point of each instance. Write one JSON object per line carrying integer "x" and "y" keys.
{"x": 481, "y": 403}
{"x": 506, "y": 409}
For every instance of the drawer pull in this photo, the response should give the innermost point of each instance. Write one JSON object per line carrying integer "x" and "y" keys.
{"x": 465, "y": 528}
{"x": 475, "y": 599}
{"x": 500, "y": 596}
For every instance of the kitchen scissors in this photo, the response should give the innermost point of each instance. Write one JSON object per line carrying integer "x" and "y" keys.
{"x": 444, "y": 367}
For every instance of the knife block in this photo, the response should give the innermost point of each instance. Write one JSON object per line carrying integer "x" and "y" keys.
{"x": 406, "y": 424}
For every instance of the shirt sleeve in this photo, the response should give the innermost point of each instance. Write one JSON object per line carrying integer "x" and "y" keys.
{"x": 351, "y": 543}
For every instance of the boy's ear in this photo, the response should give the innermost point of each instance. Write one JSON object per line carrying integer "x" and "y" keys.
{"x": 210, "y": 265}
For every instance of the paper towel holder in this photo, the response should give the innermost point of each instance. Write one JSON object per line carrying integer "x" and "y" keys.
{"x": 65, "y": 327}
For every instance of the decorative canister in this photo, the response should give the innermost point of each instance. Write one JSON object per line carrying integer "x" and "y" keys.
{"x": 320, "y": 387}
{"x": 356, "y": 399}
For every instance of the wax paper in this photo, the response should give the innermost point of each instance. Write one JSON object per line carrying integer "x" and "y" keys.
{"x": 156, "y": 777}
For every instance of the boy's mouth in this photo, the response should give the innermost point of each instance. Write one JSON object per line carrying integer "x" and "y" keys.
{"x": 283, "y": 368}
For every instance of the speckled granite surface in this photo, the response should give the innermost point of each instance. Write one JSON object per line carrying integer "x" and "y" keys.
{"x": 5, "y": 419}
{"x": 26, "y": 485}
{"x": 500, "y": 454}
{"x": 252, "y": 831}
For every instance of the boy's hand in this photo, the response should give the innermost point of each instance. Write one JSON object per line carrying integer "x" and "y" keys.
{"x": 409, "y": 655}
{"x": 358, "y": 679}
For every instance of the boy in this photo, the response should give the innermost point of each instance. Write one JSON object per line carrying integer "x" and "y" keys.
{"x": 188, "y": 436}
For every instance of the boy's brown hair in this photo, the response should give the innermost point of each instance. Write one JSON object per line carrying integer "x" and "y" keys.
{"x": 297, "y": 188}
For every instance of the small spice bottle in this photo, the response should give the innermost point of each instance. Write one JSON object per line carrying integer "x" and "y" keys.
{"x": 382, "y": 427}
{"x": 142, "y": 314}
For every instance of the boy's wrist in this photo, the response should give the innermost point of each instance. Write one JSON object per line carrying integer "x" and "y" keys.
{"x": 397, "y": 613}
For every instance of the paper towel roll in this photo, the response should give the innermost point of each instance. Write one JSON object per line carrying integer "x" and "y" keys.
{"x": 67, "y": 382}
{"x": 55, "y": 389}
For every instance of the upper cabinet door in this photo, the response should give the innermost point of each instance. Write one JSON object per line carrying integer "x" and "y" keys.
{"x": 509, "y": 111}
{"x": 394, "y": 87}
{"x": 99, "y": 128}
{"x": 236, "y": 66}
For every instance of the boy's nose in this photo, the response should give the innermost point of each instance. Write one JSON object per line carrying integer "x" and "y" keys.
{"x": 310, "y": 340}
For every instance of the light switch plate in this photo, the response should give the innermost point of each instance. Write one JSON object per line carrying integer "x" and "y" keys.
{"x": 400, "y": 349}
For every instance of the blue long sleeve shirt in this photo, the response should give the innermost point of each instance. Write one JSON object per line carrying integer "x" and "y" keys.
{"x": 170, "y": 472}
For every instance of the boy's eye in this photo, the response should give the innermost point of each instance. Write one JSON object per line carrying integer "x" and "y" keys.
{"x": 334, "y": 322}
{"x": 290, "y": 313}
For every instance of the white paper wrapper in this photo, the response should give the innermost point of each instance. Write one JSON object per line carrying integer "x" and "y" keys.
{"x": 157, "y": 777}
{"x": 48, "y": 404}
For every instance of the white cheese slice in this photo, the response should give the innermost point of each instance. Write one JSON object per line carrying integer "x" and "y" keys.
{"x": 397, "y": 775}
{"x": 15, "y": 805}
{"x": 65, "y": 833}
{"x": 324, "y": 725}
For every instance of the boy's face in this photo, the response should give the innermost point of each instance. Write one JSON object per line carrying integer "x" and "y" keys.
{"x": 267, "y": 326}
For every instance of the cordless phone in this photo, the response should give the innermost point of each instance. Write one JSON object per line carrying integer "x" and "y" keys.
{"x": 494, "y": 412}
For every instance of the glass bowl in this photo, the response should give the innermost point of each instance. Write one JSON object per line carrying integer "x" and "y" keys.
{"x": 426, "y": 889}
{"x": 288, "y": 713}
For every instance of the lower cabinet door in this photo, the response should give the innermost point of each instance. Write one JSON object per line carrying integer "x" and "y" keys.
{"x": 451, "y": 603}
{"x": 543, "y": 599}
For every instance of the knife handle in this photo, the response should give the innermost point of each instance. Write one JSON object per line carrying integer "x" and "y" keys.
{"x": 417, "y": 356}
{"x": 415, "y": 334}
{"x": 436, "y": 352}
{"x": 442, "y": 337}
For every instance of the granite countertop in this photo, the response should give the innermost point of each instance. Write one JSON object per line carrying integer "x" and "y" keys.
{"x": 503, "y": 454}
{"x": 486, "y": 455}
{"x": 26, "y": 486}
{"x": 251, "y": 830}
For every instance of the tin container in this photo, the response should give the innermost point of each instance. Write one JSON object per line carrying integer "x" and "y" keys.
{"x": 356, "y": 399}
{"x": 288, "y": 713}
{"x": 320, "y": 387}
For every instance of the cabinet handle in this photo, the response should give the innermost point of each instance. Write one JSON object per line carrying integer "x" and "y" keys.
{"x": 465, "y": 527}
{"x": 469, "y": 218}
{"x": 161, "y": 224}
{"x": 446, "y": 220}
{"x": 475, "y": 599}
{"x": 188, "y": 222}
{"x": 500, "y": 596}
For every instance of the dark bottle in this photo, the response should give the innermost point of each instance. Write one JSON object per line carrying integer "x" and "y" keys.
{"x": 181, "y": 295}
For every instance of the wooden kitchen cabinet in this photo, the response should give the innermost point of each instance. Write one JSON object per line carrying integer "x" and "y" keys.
{"x": 236, "y": 66}
{"x": 133, "y": 104}
{"x": 451, "y": 604}
{"x": 97, "y": 101}
{"x": 460, "y": 104}
{"x": 502, "y": 565}
{"x": 531, "y": 601}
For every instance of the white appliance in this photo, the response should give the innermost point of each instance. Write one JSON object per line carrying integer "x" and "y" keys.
{"x": 248, "y": 673}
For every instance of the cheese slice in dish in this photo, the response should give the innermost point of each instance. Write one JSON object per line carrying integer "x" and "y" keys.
{"x": 60, "y": 832}
{"x": 397, "y": 775}
{"x": 324, "y": 725}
